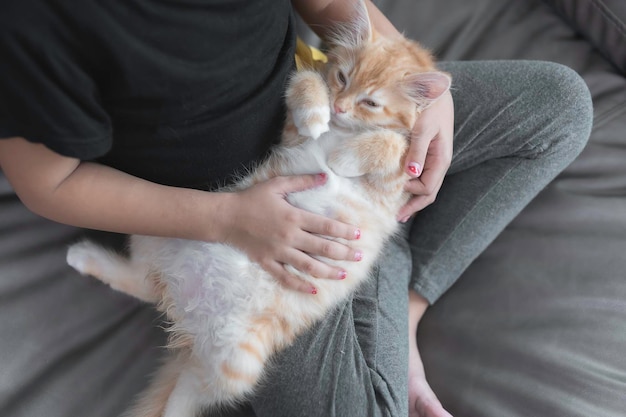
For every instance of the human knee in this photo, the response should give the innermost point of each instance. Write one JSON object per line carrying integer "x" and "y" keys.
{"x": 568, "y": 102}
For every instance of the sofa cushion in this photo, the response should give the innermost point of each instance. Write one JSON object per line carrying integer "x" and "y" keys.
{"x": 70, "y": 346}
{"x": 602, "y": 21}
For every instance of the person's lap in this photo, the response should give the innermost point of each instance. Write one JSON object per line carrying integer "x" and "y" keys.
{"x": 517, "y": 125}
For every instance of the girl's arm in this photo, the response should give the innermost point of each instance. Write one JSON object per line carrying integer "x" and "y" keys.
{"x": 258, "y": 220}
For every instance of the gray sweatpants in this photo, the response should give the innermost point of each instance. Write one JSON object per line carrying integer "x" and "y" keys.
{"x": 517, "y": 125}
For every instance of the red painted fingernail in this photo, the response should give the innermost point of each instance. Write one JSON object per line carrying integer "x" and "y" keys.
{"x": 357, "y": 234}
{"x": 358, "y": 256}
{"x": 314, "y": 291}
{"x": 415, "y": 169}
{"x": 342, "y": 274}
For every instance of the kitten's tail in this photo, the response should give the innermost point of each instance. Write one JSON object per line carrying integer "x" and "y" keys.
{"x": 122, "y": 274}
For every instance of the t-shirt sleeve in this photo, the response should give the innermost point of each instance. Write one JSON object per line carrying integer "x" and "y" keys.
{"x": 47, "y": 91}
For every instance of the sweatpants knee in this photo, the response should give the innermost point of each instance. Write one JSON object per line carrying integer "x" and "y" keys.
{"x": 568, "y": 100}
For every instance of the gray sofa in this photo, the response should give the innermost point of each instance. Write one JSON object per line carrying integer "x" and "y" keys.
{"x": 536, "y": 327}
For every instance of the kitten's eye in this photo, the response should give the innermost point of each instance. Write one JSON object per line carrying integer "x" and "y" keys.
{"x": 370, "y": 103}
{"x": 341, "y": 78}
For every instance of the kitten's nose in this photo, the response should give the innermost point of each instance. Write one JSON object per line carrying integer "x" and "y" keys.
{"x": 338, "y": 109}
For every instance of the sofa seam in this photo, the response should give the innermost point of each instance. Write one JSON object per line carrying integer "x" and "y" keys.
{"x": 610, "y": 16}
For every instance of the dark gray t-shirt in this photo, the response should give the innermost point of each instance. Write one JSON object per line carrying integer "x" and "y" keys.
{"x": 180, "y": 92}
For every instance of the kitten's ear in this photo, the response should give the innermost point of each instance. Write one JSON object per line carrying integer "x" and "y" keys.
{"x": 426, "y": 87}
{"x": 361, "y": 22}
{"x": 357, "y": 31}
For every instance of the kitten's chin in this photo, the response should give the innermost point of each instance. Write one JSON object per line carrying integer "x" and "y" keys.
{"x": 342, "y": 123}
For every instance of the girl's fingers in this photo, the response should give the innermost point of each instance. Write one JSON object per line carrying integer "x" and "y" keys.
{"x": 313, "y": 267}
{"x": 326, "y": 248}
{"x": 325, "y": 226}
{"x": 419, "y": 201}
{"x": 295, "y": 183}
{"x": 287, "y": 279}
{"x": 418, "y": 149}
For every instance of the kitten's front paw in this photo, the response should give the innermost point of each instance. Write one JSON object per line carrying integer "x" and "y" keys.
{"x": 313, "y": 122}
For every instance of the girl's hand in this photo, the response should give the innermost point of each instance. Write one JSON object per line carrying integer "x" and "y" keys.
{"x": 274, "y": 233}
{"x": 430, "y": 155}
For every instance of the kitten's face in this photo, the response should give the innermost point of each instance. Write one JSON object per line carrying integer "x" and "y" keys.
{"x": 381, "y": 83}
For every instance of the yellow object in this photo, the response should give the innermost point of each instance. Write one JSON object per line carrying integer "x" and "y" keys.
{"x": 308, "y": 56}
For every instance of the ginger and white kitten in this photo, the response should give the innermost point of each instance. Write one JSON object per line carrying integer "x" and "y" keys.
{"x": 229, "y": 316}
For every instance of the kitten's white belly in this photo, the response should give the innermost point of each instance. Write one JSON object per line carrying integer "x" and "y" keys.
{"x": 214, "y": 287}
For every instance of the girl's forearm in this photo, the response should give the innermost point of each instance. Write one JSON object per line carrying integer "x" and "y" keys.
{"x": 99, "y": 197}
{"x": 95, "y": 196}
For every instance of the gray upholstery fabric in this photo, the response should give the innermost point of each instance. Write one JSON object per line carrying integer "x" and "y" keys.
{"x": 603, "y": 22}
{"x": 535, "y": 327}
{"x": 69, "y": 346}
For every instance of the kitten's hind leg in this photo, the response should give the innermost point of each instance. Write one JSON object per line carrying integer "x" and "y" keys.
{"x": 120, "y": 273}
{"x": 152, "y": 402}
{"x": 309, "y": 103}
{"x": 174, "y": 391}
{"x": 186, "y": 399}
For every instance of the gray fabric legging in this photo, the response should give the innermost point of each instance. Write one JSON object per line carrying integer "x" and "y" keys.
{"x": 517, "y": 125}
